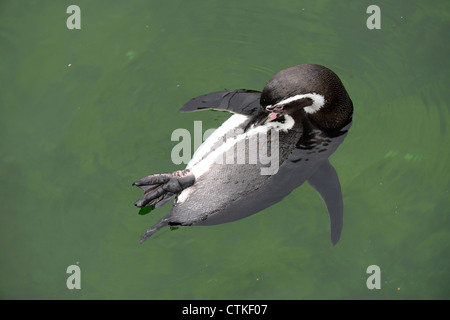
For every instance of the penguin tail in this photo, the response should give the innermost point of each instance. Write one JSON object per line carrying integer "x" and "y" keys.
{"x": 159, "y": 188}
{"x": 160, "y": 224}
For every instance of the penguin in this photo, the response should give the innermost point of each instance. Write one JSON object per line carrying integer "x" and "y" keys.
{"x": 304, "y": 111}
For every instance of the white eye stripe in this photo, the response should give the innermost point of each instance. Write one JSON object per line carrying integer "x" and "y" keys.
{"x": 318, "y": 101}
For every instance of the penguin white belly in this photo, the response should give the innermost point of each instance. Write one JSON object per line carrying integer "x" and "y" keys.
{"x": 219, "y": 181}
{"x": 228, "y": 129}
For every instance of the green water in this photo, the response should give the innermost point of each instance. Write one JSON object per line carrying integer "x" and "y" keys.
{"x": 84, "y": 113}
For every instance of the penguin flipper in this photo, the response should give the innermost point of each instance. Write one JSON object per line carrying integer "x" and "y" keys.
{"x": 326, "y": 182}
{"x": 239, "y": 101}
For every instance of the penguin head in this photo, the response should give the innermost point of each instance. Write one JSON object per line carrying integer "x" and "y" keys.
{"x": 311, "y": 91}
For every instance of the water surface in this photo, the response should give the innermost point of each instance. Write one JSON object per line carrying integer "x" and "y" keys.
{"x": 84, "y": 113}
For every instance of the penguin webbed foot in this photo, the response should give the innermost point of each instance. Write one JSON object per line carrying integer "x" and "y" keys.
{"x": 162, "y": 186}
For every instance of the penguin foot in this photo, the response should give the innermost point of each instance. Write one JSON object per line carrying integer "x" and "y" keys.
{"x": 163, "y": 186}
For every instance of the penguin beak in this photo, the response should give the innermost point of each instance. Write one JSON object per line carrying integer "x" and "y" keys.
{"x": 275, "y": 112}
{"x": 272, "y": 116}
